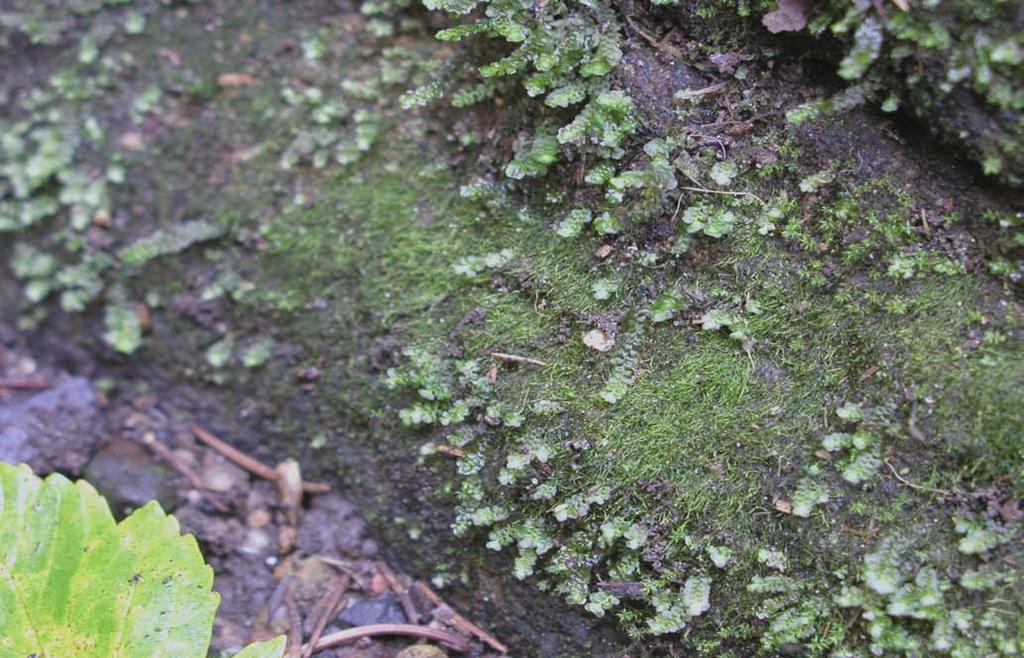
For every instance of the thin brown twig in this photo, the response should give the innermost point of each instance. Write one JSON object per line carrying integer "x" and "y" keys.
{"x": 411, "y": 613}
{"x": 408, "y": 606}
{"x": 700, "y": 188}
{"x": 446, "y": 449}
{"x": 315, "y": 487}
{"x": 910, "y": 484}
{"x": 686, "y": 94}
{"x": 329, "y": 603}
{"x": 868, "y": 374}
{"x": 245, "y": 461}
{"x": 24, "y": 384}
{"x": 168, "y": 456}
{"x": 375, "y": 630}
{"x": 340, "y": 565}
{"x": 294, "y": 647}
{"x": 346, "y": 568}
{"x": 679, "y": 204}
{"x": 254, "y": 466}
{"x": 716, "y": 124}
{"x": 464, "y": 623}
{"x": 726, "y": 192}
{"x": 674, "y": 52}
{"x": 515, "y": 358}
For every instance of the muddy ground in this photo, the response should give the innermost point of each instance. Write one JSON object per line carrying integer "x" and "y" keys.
{"x": 277, "y": 574}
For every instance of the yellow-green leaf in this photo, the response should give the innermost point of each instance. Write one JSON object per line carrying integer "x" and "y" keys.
{"x": 75, "y": 583}
{"x": 269, "y": 649}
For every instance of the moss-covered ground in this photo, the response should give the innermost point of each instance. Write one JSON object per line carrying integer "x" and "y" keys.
{"x": 777, "y": 412}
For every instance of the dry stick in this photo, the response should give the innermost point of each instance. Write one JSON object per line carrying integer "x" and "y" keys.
{"x": 515, "y": 358}
{"x": 168, "y": 456}
{"x": 679, "y": 204}
{"x": 24, "y": 385}
{"x": 446, "y": 449}
{"x": 710, "y": 191}
{"x": 294, "y": 647}
{"x": 330, "y": 602}
{"x": 411, "y": 613}
{"x": 701, "y": 188}
{"x": 248, "y": 463}
{"x": 240, "y": 458}
{"x": 868, "y": 374}
{"x": 686, "y": 94}
{"x": 376, "y": 630}
{"x": 674, "y": 52}
{"x": 341, "y": 565}
{"x": 464, "y": 623}
{"x": 915, "y": 486}
{"x": 345, "y": 568}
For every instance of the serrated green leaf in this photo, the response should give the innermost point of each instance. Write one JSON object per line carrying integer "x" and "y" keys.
{"x": 74, "y": 583}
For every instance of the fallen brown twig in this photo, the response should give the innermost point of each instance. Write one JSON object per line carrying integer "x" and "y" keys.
{"x": 327, "y": 605}
{"x": 340, "y": 565}
{"x": 657, "y": 43}
{"x": 168, "y": 456}
{"x": 697, "y": 187}
{"x": 24, "y": 384}
{"x": 294, "y": 646}
{"x": 868, "y": 374}
{"x": 463, "y": 623}
{"x": 254, "y": 466}
{"x": 408, "y": 607}
{"x": 376, "y": 630}
{"x": 686, "y": 94}
{"x": 515, "y": 358}
{"x": 706, "y": 190}
{"x": 446, "y": 449}
{"x": 941, "y": 492}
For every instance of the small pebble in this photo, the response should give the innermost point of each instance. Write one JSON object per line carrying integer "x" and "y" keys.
{"x": 256, "y": 542}
{"x": 258, "y": 518}
{"x": 383, "y": 609}
{"x": 221, "y": 475}
{"x": 421, "y": 651}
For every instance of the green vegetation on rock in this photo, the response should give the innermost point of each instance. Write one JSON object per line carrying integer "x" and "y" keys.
{"x": 777, "y": 404}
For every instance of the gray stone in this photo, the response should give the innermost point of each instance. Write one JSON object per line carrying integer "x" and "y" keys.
{"x": 128, "y": 476}
{"x": 384, "y": 609}
{"x": 57, "y": 429}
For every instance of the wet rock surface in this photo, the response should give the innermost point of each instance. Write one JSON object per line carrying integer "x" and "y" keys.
{"x": 127, "y": 476}
{"x": 56, "y": 429}
{"x": 384, "y": 609}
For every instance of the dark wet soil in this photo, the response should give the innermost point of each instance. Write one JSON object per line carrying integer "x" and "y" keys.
{"x": 275, "y": 571}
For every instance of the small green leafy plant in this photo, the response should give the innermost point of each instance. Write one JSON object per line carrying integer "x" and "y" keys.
{"x": 922, "y": 56}
{"x": 73, "y": 582}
